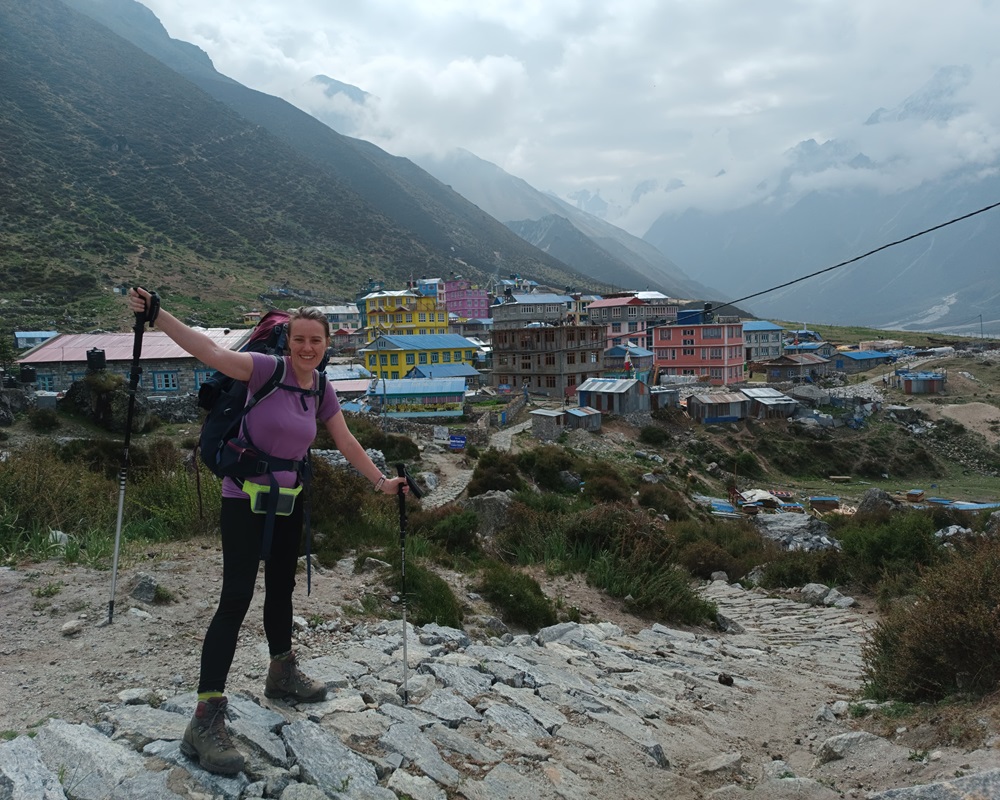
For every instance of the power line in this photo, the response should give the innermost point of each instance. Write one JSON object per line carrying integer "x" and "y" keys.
{"x": 865, "y": 255}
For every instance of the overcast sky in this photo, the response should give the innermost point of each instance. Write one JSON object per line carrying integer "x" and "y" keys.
{"x": 604, "y": 96}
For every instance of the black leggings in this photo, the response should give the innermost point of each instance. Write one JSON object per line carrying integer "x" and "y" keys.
{"x": 242, "y": 531}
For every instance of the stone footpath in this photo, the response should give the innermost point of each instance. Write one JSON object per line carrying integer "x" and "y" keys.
{"x": 575, "y": 711}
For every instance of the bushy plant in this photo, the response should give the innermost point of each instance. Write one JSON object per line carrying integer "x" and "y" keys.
{"x": 707, "y": 546}
{"x": 791, "y": 568}
{"x": 544, "y": 464}
{"x": 518, "y": 597}
{"x": 495, "y": 471}
{"x": 901, "y": 545}
{"x": 429, "y": 599}
{"x": 945, "y": 641}
{"x": 664, "y": 500}
{"x": 653, "y": 435}
{"x": 394, "y": 447}
{"x": 43, "y": 420}
{"x": 450, "y": 527}
{"x": 606, "y": 489}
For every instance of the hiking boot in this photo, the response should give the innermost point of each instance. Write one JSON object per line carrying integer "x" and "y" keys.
{"x": 207, "y": 740}
{"x": 285, "y": 680}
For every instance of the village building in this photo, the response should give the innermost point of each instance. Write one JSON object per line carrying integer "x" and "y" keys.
{"x": 583, "y": 418}
{"x": 823, "y": 349}
{"x": 762, "y": 340}
{"x": 547, "y": 424}
{"x": 712, "y": 407}
{"x": 342, "y": 317}
{"x": 467, "y": 372}
{"x": 854, "y": 361}
{"x": 795, "y": 367}
{"x": 701, "y": 344}
{"x": 579, "y": 314}
{"x": 166, "y": 368}
{"x": 920, "y": 382}
{"x": 518, "y": 310}
{"x": 404, "y": 312}
{"x": 769, "y": 403}
{"x": 23, "y": 339}
{"x": 465, "y": 301}
{"x": 391, "y": 357}
{"x": 416, "y": 397}
{"x": 625, "y": 316}
{"x": 614, "y": 395}
{"x": 546, "y": 359}
{"x": 628, "y": 361}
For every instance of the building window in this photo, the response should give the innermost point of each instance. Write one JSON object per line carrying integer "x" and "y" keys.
{"x": 446, "y": 357}
{"x": 440, "y": 316}
{"x": 435, "y": 358}
{"x": 457, "y": 355}
{"x": 715, "y": 353}
{"x": 394, "y": 359}
{"x": 383, "y": 360}
{"x": 200, "y": 376}
{"x": 371, "y": 359}
{"x": 633, "y": 311}
{"x": 593, "y": 357}
{"x": 711, "y": 333}
{"x": 395, "y": 375}
{"x": 423, "y": 331}
{"x": 616, "y": 312}
{"x": 550, "y": 381}
{"x": 409, "y": 317}
{"x": 688, "y": 351}
{"x": 399, "y": 318}
{"x": 571, "y": 358}
{"x": 616, "y": 327}
{"x": 633, "y": 327}
{"x": 688, "y": 342}
{"x": 468, "y": 356}
{"x": 410, "y": 359}
{"x": 165, "y": 380}
{"x": 422, "y": 358}
{"x": 715, "y": 372}
{"x": 45, "y": 383}
{"x": 422, "y": 317}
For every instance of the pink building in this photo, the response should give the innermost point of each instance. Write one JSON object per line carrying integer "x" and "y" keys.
{"x": 701, "y": 344}
{"x": 464, "y": 300}
{"x": 625, "y": 318}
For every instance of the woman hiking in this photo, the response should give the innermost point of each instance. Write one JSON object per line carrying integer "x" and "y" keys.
{"x": 283, "y": 424}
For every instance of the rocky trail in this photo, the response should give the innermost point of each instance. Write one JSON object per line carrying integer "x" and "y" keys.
{"x": 575, "y": 711}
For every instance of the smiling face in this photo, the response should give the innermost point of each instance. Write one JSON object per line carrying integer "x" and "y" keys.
{"x": 307, "y": 343}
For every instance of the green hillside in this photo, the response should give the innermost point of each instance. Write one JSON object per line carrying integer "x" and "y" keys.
{"x": 115, "y": 169}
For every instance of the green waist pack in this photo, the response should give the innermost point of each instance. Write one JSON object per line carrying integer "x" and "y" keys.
{"x": 259, "y": 493}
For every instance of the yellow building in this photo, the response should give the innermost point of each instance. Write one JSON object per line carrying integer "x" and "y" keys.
{"x": 395, "y": 356}
{"x": 404, "y": 313}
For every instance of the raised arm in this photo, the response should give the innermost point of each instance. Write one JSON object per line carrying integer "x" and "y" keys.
{"x": 235, "y": 365}
{"x": 353, "y": 451}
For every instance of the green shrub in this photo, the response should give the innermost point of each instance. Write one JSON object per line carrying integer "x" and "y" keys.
{"x": 429, "y": 599}
{"x": 746, "y": 465}
{"x": 43, "y": 420}
{"x": 791, "y": 568}
{"x": 654, "y": 436}
{"x": 518, "y": 597}
{"x": 606, "y": 489}
{"x": 393, "y": 446}
{"x": 707, "y": 546}
{"x": 495, "y": 471}
{"x": 664, "y": 500}
{"x": 545, "y": 463}
{"x": 900, "y": 546}
{"x": 450, "y": 527}
{"x": 948, "y": 639}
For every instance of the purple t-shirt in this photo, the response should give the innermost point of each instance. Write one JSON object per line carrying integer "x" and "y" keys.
{"x": 277, "y": 424}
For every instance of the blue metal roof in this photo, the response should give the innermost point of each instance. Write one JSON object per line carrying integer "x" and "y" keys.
{"x": 753, "y": 325}
{"x": 429, "y": 341}
{"x": 862, "y": 355}
{"x": 398, "y": 386}
{"x": 628, "y": 349}
{"x": 34, "y": 334}
{"x": 804, "y": 345}
{"x": 443, "y": 371}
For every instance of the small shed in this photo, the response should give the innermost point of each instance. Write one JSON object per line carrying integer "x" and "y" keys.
{"x": 547, "y": 423}
{"x": 768, "y": 403}
{"x": 614, "y": 395}
{"x": 921, "y": 382}
{"x": 853, "y": 362}
{"x": 583, "y": 418}
{"x": 717, "y": 407}
{"x": 663, "y": 397}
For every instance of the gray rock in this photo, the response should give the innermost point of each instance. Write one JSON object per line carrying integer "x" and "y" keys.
{"x": 843, "y": 745}
{"x": 140, "y": 725}
{"x": 725, "y": 764}
{"x": 303, "y": 791}
{"x": 492, "y": 508}
{"x": 516, "y": 723}
{"x": 456, "y": 741}
{"x": 416, "y": 787}
{"x": 448, "y": 708}
{"x": 875, "y": 500}
{"x": 814, "y": 593}
{"x": 144, "y": 588}
{"x": 971, "y": 787}
{"x": 419, "y": 750}
{"x": 464, "y": 680}
{"x": 334, "y": 768}
{"x": 223, "y": 786}
{"x": 23, "y": 775}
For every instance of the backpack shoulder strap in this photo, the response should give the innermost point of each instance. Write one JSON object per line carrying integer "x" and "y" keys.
{"x": 272, "y": 383}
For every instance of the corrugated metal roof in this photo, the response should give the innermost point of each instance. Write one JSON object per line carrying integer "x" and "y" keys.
{"x": 609, "y": 385}
{"x": 354, "y": 386}
{"x": 346, "y": 372}
{"x": 628, "y": 349}
{"x": 780, "y": 400}
{"x": 761, "y": 391}
{"x": 547, "y": 412}
{"x": 807, "y": 359}
{"x": 34, "y": 334}
{"x": 156, "y": 345}
{"x": 612, "y": 302}
{"x": 864, "y": 355}
{"x": 428, "y": 341}
{"x": 716, "y": 398}
{"x": 421, "y": 386}
{"x": 753, "y": 325}
{"x": 583, "y": 411}
{"x": 444, "y": 371}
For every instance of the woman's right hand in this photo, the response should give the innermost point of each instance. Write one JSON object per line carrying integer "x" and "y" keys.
{"x": 138, "y": 300}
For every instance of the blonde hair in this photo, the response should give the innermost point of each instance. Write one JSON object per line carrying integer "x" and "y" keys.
{"x": 310, "y": 313}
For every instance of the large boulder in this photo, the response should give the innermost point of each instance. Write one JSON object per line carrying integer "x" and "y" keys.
{"x": 876, "y": 500}
{"x": 492, "y": 508}
{"x": 105, "y": 400}
{"x": 796, "y": 531}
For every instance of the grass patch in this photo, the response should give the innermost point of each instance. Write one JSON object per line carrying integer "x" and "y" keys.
{"x": 518, "y": 596}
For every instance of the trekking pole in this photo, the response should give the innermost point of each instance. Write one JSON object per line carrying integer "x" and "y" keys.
{"x": 133, "y": 384}
{"x": 401, "y": 495}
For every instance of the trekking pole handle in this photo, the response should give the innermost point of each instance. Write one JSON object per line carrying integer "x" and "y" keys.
{"x": 415, "y": 490}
